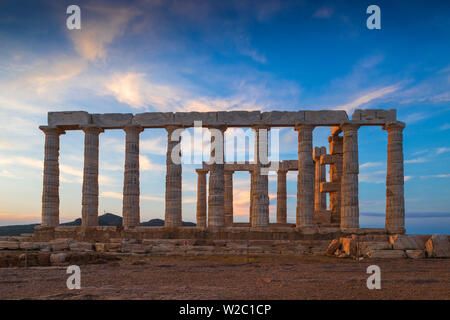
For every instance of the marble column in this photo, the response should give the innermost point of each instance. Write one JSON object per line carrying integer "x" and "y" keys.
{"x": 320, "y": 198}
{"x": 251, "y": 197}
{"x": 228, "y": 198}
{"x": 216, "y": 195}
{"x": 336, "y": 150}
{"x": 395, "y": 199}
{"x": 173, "y": 213}
{"x": 50, "y": 190}
{"x": 260, "y": 179}
{"x": 349, "y": 181}
{"x": 131, "y": 192}
{"x": 281, "y": 196}
{"x": 89, "y": 203}
{"x": 201, "y": 197}
{"x": 305, "y": 180}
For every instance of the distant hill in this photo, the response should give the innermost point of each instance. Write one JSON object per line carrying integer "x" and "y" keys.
{"x": 107, "y": 219}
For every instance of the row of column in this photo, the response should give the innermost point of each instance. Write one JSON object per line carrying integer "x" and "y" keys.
{"x": 220, "y": 184}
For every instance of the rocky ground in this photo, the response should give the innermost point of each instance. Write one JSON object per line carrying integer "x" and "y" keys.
{"x": 308, "y": 277}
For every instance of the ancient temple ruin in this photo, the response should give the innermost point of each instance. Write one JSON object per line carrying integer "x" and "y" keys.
{"x": 215, "y": 207}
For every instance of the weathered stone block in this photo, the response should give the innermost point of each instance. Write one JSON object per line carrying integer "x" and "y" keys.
{"x": 329, "y": 186}
{"x": 58, "y": 258}
{"x": 239, "y": 118}
{"x": 9, "y": 245}
{"x": 334, "y": 245}
{"x": 365, "y": 247}
{"x": 81, "y": 246}
{"x": 112, "y": 120}
{"x": 187, "y": 118}
{"x": 282, "y": 118}
{"x": 69, "y": 119}
{"x": 348, "y": 245}
{"x": 154, "y": 119}
{"x": 415, "y": 254}
{"x": 386, "y": 254}
{"x": 438, "y": 246}
{"x": 325, "y": 117}
{"x": 408, "y": 242}
{"x": 374, "y": 116}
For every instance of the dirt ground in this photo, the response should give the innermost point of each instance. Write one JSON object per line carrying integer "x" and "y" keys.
{"x": 301, "y": 278}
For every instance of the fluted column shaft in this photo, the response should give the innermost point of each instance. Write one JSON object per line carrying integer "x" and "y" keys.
{"x": 201, "y": 198}
{"x": 349, "y": 183}
{"x": 89, "y": 203}
{"x": 131, "y": 191}
{"x": 281, "y": 197}
{"x": 173, "y": 213}
{"x": 395, "y": 198}
{"x": 320, "y": 199}
{"x": 251, "y": 197}
{"x": 216, "y": 195}
{"x": 260, "y": 180}
{"x": 228, "y": 198}
{"x": 305, "y": 180}
{"x": 336, "y": 149}
{"x": 50, "y": 190}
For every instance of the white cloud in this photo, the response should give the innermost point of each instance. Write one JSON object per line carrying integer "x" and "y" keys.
{"x": 417, "y": 160}
{"x": 370, "y": 165}
{"x": 146, "y": 164}
{"x": 442, "y": 150}
{"x": 367, "y": 97}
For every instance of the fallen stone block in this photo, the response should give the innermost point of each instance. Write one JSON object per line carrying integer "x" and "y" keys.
{"x": 365, "y": 246}
{"x": 438, "y": 246}
{"x": 386, "y": 254}
{"x": 334, "y": 245}
{"x": 415, "y": 254}
{"x": 348, "y": 246}
{"x": 408, "y": 242}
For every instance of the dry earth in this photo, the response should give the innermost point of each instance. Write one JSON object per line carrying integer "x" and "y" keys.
{"x": 301, "y": 278}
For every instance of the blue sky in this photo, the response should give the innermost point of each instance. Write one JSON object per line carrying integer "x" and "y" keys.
{"x": 139, "y": 56}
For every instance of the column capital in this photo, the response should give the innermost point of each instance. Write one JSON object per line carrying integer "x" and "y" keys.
{"x": 318, "y": 151}
{"x": 282, "y": 171}
{"x": 52, "y": 130}
{"x": 349, "y": 126}
{"x": 172, "y": 127}
{"x": 394, "y": 125}
{"x": 133, "y": 128}
{"x": 302, "y": 126}
{"x": 92, "y": 128}
{"x": 229, "y": 172}
{"x": 201, "y": 171}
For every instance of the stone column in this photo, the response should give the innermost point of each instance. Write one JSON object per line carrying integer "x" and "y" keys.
{"x": 320, "y": 198}
{"x": 336, "y": 150}
{"x": 131, "y": 192}
{"x": 305, "y": 180}
{"x": 216, "y": 195}
{"x": 251, "y": 196}
{"x": 395, "y": 199}
{"x": 260, "y": 180}
{"x": 89, "y": 203}
{"x": 281, "y": 196}
{"x": 228, "y": 198}
{"x": 201, "y": 198}
{"x": 349, "y": 183}
{"x": 50, "y": 190}
{"x": 173, "y": 178}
